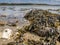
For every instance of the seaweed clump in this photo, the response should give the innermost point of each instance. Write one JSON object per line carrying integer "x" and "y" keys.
{"x": 42, "y": 22}
{"x": 44, "y": 25}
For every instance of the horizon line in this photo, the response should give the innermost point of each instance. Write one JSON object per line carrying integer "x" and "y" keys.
{"x": 28, "y": 4}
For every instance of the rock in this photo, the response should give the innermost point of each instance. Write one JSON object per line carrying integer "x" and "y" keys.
{"x": 12, "y": 23}
{"x": 2, "y": 23}
{"x": 7, "y": 33}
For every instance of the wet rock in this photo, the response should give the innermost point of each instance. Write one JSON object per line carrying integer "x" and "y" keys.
{"x": 12, "y": 22}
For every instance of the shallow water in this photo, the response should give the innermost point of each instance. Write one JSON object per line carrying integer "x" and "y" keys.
{"x": 18, "y": 10}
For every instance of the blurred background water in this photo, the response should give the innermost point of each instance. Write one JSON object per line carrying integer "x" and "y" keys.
{"x": 18, "y": 10}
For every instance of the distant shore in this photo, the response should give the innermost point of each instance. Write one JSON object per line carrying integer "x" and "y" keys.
{"x": 26, "y": 4}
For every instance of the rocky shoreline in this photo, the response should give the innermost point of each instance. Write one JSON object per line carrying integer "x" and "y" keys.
{"x": 44, "y": 29}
